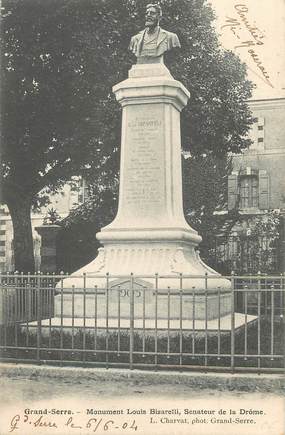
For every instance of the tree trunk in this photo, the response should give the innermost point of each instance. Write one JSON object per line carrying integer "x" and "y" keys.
{"x": 20, "y": 211}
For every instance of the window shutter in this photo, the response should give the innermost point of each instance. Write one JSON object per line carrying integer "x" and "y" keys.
{"x": 263, "y": 190}
{"x": 232, "y": 191}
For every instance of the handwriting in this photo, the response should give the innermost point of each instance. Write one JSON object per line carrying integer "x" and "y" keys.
{"x": 236, "y": 26}
{"x": 40, "y": 422}
{"x": 260, "y": 66}
{"x": 71, "y": 424}
{"x": 93, "y": 424}
{"x": 257, "y": 35}
{"x": 15, "y": 420}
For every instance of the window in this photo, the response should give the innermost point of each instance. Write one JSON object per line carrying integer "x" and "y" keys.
{"x": 249, "y": 188}
{"x": 83, "y": 191}
{"x": 257, "y": 134}
{"x": 248, "y": 191}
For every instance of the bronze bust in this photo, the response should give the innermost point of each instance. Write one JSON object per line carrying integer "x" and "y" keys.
{"x": 150, "y": 44}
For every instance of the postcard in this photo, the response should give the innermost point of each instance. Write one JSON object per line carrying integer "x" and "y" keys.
{"x": 147, "y": 337}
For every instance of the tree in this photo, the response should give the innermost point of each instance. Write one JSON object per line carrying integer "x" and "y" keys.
{"x": 258, "y": 246}
{"x": 60, "y": 60}
{"x": 55, "y": 102}
{"x": 205, "y": 199}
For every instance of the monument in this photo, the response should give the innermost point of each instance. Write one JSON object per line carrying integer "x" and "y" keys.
{"x": 149, "y": 234}
{"x": 150, "y": 44}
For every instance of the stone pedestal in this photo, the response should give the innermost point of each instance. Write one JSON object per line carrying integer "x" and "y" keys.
{"x": 150, "y": 234}
{"x": 48, "y": 235}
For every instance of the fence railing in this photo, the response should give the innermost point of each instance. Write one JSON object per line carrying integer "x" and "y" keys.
{"x": 246, "y": 254}
{"x": 142, "y": 322}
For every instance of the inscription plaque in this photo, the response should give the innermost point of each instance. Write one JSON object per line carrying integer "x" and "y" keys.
{"x": 144, "y": 182}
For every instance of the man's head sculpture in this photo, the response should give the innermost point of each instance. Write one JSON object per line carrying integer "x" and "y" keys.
{"x": 150, "y": 44}
{"x": 153, "y": 15}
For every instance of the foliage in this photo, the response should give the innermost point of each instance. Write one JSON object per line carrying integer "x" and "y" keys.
{"x": 60, "y": 59}
{"x": 76, "y": 241}
{"x": 252, "y": 246}
{"x": 205, "y": 197}
{"x": 266, "y": 225}
{"x": 52, "y": 217}
{"x": 205, "y": 187}
{"x": 262, "y": 244}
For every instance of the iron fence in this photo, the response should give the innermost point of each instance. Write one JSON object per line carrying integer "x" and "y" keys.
{"x": 141, "y": 322}
{"x": 244, "y": 253}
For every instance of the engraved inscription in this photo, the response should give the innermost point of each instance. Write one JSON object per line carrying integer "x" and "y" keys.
{"x": 144, "y": 163}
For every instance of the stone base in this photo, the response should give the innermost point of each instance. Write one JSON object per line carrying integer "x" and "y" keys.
{"x": 178, "y": 266}
{"x": 146, "y": 305}
{"x": 144, "y": 259}
{"x": 213, "y": 326}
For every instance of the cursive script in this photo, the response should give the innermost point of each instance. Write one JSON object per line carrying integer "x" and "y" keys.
{"x": 58, "y": 423}
{"x": 255, "y": 39}
{"x": 39, "y": 422}
{"x": 14, "y": 423}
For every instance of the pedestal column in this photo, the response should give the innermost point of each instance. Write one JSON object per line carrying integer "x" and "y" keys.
{"x": 48, "y": 235}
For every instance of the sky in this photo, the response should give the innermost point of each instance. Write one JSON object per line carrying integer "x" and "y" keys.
{"x": 255, "y": 31}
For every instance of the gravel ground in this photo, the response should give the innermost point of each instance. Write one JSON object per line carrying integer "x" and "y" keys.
{"x": 23, "y": 389}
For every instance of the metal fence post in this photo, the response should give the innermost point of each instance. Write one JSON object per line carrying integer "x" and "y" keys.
{"x": 259, "y": 317}
{"x": 5, "y": 314}
{"x": 16, "y": 310}
{"x": 29, "y": 298}
{"x": 84, "y": 319}
{"x": 119, "y": 320}
{"x": 282, "y": 242}
{"x": 39, "y": 316}
{"x": 232, "y": 321}
{"x": 72, "y": 317}
{"x": 282, "y": 287}
{"x": 206, "y": 320}
{"x": 107, "y": 320}
{"x": 155, "y": 321}
{"x": 272, "y": 323}
{"x": 61, "y": 317}
{"x": 180, "y": 319}
{"x": 95, "y": 320}
{"x": 132, "y": 300}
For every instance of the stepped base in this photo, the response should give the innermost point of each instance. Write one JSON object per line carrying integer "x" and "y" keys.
{"x": 174, "y": 306}
{"x": 213, "y": 326}
{"x": 203, "y": 293}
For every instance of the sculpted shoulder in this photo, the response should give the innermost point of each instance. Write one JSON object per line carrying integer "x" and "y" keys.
{"x": 165, "y": 33}
{"x": 138, "y": 36}
{"x": 172, "y": 37}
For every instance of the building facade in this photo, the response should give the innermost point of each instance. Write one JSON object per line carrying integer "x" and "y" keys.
{"x": 70, "y": 196}
{"x": 256, "y": 189}
{"x": 257, "y": 183}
